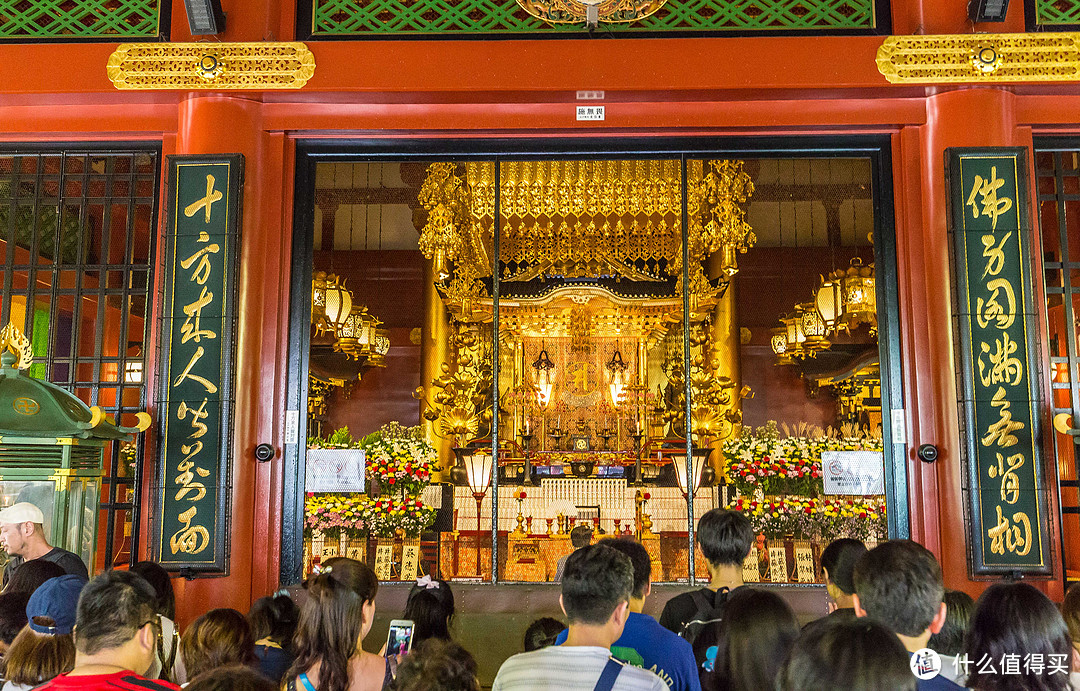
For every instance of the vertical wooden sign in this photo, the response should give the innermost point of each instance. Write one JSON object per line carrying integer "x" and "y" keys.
{"x": 778, "y": 571}
{"x": 410, "y": 559}
{"x": 384, "y": 560}
{"x": 990, "y": 220}
{"x": 198, "y": 347}
{"x": 751, "y": 573}
{"x": 804, "y": 562}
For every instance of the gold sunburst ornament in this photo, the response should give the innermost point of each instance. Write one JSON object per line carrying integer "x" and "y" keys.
{"x": 12, "y": 339}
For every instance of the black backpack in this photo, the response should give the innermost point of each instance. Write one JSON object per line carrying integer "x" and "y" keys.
{"x": 710, "y": 612}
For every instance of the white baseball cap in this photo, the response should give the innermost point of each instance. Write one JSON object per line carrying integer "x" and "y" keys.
{"x": 23, "y": 512}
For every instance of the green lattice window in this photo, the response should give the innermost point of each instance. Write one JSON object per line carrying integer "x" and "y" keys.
{"x": 82, "y": 19}
{"x": 1053, "y": 14}
{"x": 343, "y": 18}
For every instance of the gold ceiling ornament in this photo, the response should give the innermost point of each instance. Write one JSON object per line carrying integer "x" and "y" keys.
{"x": 552, "y": 316}
{"x": 580, "y": 219}
{"x": 460, "y": 397}
{"x": 971, "y": 58}
{"x": 12, "y": 339}
{"x": 577, "y": 12}
{"x": 256, "y": 65}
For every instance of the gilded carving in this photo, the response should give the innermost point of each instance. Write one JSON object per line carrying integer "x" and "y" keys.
{"x": 262, "y": 65}
{"x": 1048, "y": 57}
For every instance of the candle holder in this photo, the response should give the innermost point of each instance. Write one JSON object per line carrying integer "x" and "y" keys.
{"x": 596, "y": 528}
{"x": 606, "y": 434}
{"x": 528, "y": 525}
{"x": 637, "y": 435}
{"x": 526, "y": 442}
{"x": 549, "y": 522}
{"x": 557, "y": 434}
{"x": 519, "y": 531}
{"x": 618, "y": 530}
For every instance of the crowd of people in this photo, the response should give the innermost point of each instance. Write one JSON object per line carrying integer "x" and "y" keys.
{"x": 891, "y": 626}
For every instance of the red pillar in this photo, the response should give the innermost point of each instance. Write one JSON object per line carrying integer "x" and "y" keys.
{"x": 214, "y": 124}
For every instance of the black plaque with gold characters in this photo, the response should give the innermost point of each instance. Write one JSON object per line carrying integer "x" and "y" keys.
{"x": 1005, "y": 483}
{"x": 198, "y": 350}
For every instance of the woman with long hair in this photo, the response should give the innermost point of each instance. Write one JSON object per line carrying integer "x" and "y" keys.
{"x": 334, "y": 619}
{"x": 1015, "y": 619}
{"x": 168, "y": 641}
{"x": 856, "y": 655}
{"x": 751, "y": 641}
{"x": 219, "y": 638}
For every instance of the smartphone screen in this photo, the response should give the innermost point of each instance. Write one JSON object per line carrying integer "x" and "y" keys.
{"x": 399, "y": 639}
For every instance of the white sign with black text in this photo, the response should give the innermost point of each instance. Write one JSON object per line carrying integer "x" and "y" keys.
{"x": 853, "y": 472}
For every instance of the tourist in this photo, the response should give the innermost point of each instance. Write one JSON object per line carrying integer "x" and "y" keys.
{"x": 644, "y": 643}
{"x": 859, "y": 655}
{"x": 437, "y": 665}
{"x": 750, "y": 643}
{"x": 44, "y": 648}
{"x": 725, "y": 538}
{"x": 231, "y": 678}
{"x": 431, "y": 609}
{"x": 899, "y": 584}
{"x": 580, "y": 536}
{"x": 337, "y": 614}
{"x": 22, "y": 535}
{"x": 168, "y": 643}
{"x": 12, "y": 618}
{"x": 596, "y": 589}
{"x": 273, "y": 622}
{"x": 29, "y": 577}
{"x": 838, "y": 566}
{"x": 115, "y": 635}
{"x": 1070, "y": 612}
{"x": 542, "y": 633}
{"x": 1014, "y": 621}
{"x": 949, "y": 642}
{"x": 219, "y": 638}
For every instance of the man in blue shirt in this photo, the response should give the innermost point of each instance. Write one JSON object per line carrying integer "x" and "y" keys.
{"x": 644, "y": 643}
{"x": 899, "y": 584}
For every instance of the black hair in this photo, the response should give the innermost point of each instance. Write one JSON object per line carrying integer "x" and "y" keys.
{"x": 274, "y": 617}
{"x": 113, "y": 606}
{"x": 437, "y": 665}
{"x": 899, "y": 584}
{"x": 1016, "y": 619}
{"x": 12, "y": 615}
{"x": 752, "y": 640}
{"x": 219, "y": 638}
{"x": 725, "y": 537}
{"x": 581, "y": 536}
{"x": 639, "y": 559}
{"x": 839, "y": 558}
{"x": 596, "y": 581}
{"x": 431, "y": 610}
{"x": 1070, "y": 611}
{"x": 29, "y": 576}
{"x": 332, "y": 620}
{"x": 159, "y": 580}
{"x": 950, "y": 640}
{"x": 542, "y": 633}
{"x": 853, "y": 654}
{"x": 231, "y": 678}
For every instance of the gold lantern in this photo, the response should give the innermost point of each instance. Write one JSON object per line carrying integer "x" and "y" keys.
{"x": 813, "y": 327}
{"x": 859, "y": 295}
{"x": 356, "y": 337}
{"x": 543, "y": 376}
{"x": 618, "y": 376}
{"x": 331, "y": 302}
{"x": 829, "y": 303}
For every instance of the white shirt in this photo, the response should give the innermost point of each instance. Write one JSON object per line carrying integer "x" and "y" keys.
{"x": 569, "y": 668}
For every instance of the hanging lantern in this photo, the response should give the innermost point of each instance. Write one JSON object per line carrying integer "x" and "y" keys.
{"x": 338, "y": 301}
{"x": 780, "y": 346}
{"x": 814, "y": 329}
{"x": 829, "y": 303}
{"x": 794, "y": 336}
{"x": 356, "y": 335}
{"x": 544, "y": 376}
{"x": 318, "y": 298}
{"x": 859, "y": 295}
{"x": 617, "y": 376}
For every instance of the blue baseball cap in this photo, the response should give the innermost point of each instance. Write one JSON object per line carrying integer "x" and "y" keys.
{"x": 56, "y": 598}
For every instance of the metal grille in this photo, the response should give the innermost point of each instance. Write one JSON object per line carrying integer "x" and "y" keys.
{"x": 359, "y": 17}
{"x": 22, "y": 19}
{"x": 76, "y": 238}
{"x": 1058, "y": 184}
{"x": 1056, "y": 13}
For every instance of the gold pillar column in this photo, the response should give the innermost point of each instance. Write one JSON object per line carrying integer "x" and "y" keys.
{"x": 723, "y": 355}
{"x": 434, "y": 348}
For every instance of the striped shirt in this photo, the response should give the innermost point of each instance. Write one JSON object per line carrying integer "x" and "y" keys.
{"x": 569, "y": 668}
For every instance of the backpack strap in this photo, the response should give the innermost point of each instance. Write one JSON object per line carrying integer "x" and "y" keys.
{"x": 609, "y": 675}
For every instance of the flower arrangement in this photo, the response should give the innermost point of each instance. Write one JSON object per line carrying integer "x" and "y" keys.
{"x": 384, "y": 516}
{"x": 399, "y": 459}
{"x": 335, "y": 514}
{"x": 811, "y": 518}
{"x": 340, "y": 438}
{"x": 789, "y": 464}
